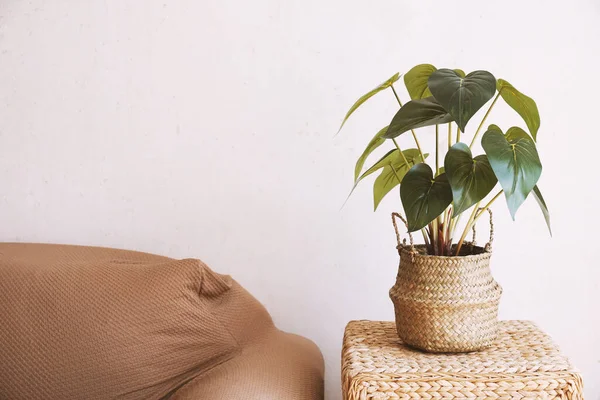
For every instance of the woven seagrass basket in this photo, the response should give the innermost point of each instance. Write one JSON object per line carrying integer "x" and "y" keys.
{"x": 446, "y": 304}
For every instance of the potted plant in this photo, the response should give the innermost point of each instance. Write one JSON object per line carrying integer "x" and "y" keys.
{"x": 445, "y": 298}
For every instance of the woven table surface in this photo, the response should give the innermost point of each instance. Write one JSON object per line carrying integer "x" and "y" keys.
{"x": 524, "y": 363}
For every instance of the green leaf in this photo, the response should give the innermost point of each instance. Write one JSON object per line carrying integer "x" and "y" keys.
{"x": 515, "y": 162}
{"x": 377, "y": 141}
{"x": 382, "y": 162}
{"x": 415, "y": 81}
{"x": 384, "y": 183}
{"x": 397, "y": 169}
{"x": 495, "y": 128}
{"x": 523, "y": 105}
{"x": 471, "y": 179}
{"x": 391, "y": 157}
{"x": 417, "y": 114}
{"x": 367, "y": 96}
{"x": 540, "y": 200}
{"x": 423, "y": 196}
{"x": 462, "y": 97}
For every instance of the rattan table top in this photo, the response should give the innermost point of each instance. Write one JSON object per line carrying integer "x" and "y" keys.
{"x": 523, "y": 363}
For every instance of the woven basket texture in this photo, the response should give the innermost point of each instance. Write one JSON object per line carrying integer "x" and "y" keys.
{"x": 446, "y": 304}
{"x": 523, "y": 363}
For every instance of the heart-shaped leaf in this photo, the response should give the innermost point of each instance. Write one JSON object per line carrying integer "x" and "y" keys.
{"x": 462, "y": 97}
{"x": 417, "y": 114}
{"x": 540, "y": 200}
{"x": 392, "y": 174}
{"x": 383, "y": 161}
{"x": 460, "y": 72}
{"x": 424, "y": 197}
{"x": 384, "y": 183}
{"x": 377, "y": 141}
{"x": 495, "y": 128}
{"x": 523, "y": 105}
{"x": 387, "y": 158}
{"x": 391, "y": 157}
{"x": 471, "y": 179}
{"x": 415, "y": 81}
{"x": 367, "y": 96}
{"x": 515, "y": 161}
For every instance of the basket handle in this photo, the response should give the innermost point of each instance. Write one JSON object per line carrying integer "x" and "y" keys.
{"x": 402, "y": 243}
{"x": 488, "y": 245}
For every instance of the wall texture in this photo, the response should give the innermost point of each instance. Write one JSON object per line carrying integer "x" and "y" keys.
{"x": 205, "y": 129}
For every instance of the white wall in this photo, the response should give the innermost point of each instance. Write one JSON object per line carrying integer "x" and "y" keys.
{"x": 205, "y": 129}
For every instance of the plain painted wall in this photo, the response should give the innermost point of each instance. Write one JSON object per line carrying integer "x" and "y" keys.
{"x": 205, "y": 129}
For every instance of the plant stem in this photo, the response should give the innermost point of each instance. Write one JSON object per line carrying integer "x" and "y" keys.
{"x": 427, "y": 244}
{"x": 455, "y": 222}
{"x": 449, "y": 228}
{"x": 457, "y": 134}
{"x": 396, "y": 94}
{"x": 475, "y": 216}
{"x": 436, "y": 238}
{"x": 466, "y": 231}
{"x": 395, "y": 173}
{"x": 412, "y": 130}
{"x": 401, "y": 153}
{"x": 449, "y": 135}
{"x": 437, "y": 150}
{"x": 443, "y": 222}
{"x": 483, "y": 120}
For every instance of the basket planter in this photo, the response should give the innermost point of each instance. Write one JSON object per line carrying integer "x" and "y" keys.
{"x": 446, "y": 304}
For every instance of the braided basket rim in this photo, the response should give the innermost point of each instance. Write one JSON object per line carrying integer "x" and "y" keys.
{"x": 482, "y": 253}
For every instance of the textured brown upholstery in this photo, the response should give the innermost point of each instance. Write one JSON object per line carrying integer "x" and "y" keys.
{"x": 95, "y": 323}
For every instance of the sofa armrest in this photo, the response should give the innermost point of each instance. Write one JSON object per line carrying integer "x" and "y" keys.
{"x": 281, "y": 366}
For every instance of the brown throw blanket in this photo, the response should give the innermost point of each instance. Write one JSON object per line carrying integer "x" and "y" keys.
{"x": 96, "y": 323}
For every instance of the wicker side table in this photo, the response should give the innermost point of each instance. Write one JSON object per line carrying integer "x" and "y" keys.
{"x": 524, "y": 363}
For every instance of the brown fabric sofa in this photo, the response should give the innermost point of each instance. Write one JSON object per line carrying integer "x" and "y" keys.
{"x": 96, "y": 323}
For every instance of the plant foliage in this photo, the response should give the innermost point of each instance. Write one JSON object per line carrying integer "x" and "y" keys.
{"x": 434, "y": 199}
